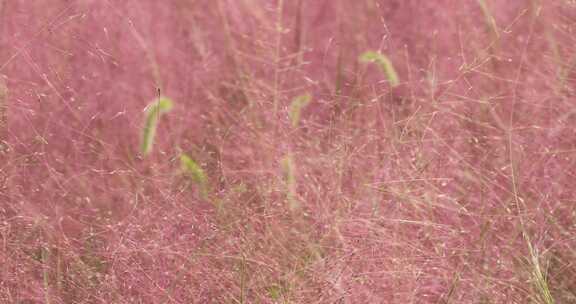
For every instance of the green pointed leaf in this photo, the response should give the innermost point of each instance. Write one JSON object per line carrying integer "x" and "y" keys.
{"x": 383, "y": 63}
{"x": 196, "y": 173}
{"x": 289, "y": 170}
{"x": 296, "y": 107}
{"x": 153, "y": 113}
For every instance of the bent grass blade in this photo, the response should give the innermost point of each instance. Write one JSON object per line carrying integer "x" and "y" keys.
{"x": 153, "y": 113}
{"x": 289, "y": 171}
{"x": 296, "y": 107}
{"x": 383, "y": 63}
{"x": 196, "y": 173}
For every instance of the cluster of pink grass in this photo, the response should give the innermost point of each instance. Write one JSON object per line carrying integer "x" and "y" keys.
{"x": 455, "y": 186}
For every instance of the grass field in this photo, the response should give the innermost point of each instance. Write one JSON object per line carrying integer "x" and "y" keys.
{"x": 288, "y": 151}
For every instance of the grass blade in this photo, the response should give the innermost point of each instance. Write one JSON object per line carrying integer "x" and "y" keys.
{"x": 384, "y": 63}
{"x": 490, "y": 21}
{"x": 296, "y": 107}
{"x": 289, "y": 171}
{"x": 196, "y": 173}
{"x": 3, "y": 107}
{"x": 153, "y": 113}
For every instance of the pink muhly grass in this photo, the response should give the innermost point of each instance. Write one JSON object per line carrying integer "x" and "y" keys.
{"x": 289, "y": 170}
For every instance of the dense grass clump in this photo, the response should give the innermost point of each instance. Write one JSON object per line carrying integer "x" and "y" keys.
{"x": 326, "y": 151}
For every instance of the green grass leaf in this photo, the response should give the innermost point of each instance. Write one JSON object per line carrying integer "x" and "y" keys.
{"x": 296, "y": 107}
{"x": 289, "y": 171}
{"x": 489, "y": 18}
{"x": 275, "y": 292}
{"x": 3, "y": 105}
{"x": 196, "y": 173}
{"x": 153, "y": 113}
{"x": 383, "y": 63}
